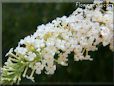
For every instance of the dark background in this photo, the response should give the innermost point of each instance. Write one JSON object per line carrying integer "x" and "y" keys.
{"x": 22, "y": 19}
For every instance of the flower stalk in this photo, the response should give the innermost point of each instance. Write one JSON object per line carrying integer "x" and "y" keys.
{"x": 76, "y": 33}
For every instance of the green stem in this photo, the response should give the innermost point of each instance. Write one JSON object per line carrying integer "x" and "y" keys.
{"x": 86, "y": 52}
{"x": 13, "y": 59}
{"x": 25, "y": 71}
{"x": 32, "y": 72}
{"x": 19, "y": 79}
{"x": 83, "y": 50}
{"x": 14, "y": 56}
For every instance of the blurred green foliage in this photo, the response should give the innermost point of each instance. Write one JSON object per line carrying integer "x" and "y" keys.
{"x": 22, "y": 19}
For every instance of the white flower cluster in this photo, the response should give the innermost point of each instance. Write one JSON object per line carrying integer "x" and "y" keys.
{"x": 81, "y": 32}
